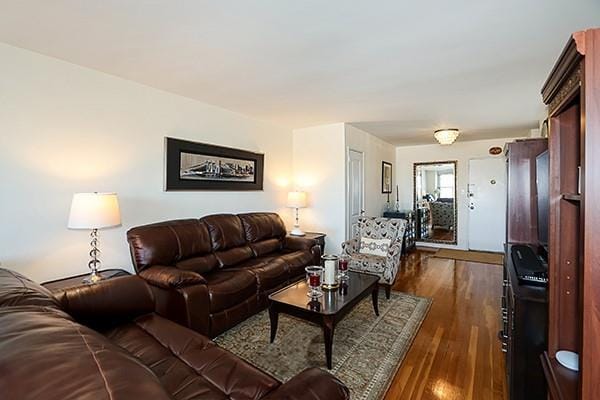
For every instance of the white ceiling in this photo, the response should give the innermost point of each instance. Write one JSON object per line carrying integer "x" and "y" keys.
{"x": 398, "y": 69}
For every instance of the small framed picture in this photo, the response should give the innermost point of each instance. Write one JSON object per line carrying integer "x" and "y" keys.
{"x": 386, "y": 177}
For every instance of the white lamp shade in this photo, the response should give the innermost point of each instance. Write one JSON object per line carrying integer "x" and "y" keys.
{"x": 446, "y": 136}
{"x": 296, "y": 199}
{"x": 94, "y": 211}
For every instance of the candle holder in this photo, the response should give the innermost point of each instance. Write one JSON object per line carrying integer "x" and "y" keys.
{"x": 343, "y": 290}
{"x": 313, "y": 274}
{"x": 343, "y": 267}
{"x": 330, "y": 281}
{"x": 314, "y": 304}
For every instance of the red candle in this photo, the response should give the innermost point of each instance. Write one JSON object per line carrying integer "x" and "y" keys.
{"x": 314, "y": 280}
{"x": 343, "y": 264}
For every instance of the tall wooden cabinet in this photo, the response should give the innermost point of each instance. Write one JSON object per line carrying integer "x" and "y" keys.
{"x": 572, "y": 94}
{"x": 524, "y": 307}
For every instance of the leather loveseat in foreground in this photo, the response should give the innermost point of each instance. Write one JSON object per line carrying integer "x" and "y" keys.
{"x": 105, "y": 342}
{"x": 212, "y": 273}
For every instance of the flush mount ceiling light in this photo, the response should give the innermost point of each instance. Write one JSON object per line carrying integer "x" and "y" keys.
{"x": 446, "y": 136}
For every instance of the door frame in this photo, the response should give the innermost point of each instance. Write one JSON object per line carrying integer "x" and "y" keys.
{"x": 468, "y": 198}
{"x": 347, "y": 192}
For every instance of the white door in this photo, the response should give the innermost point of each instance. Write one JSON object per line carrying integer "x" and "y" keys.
{"x": 354, "y": 193}
{"x": 487, "y": 204}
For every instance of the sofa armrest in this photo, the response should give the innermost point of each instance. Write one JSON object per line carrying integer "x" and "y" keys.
{"x": 311, "y": 384}
{"x": 107, "y": 302}
{"x": 299, "y": 243}
{"x": 171, "y": 277}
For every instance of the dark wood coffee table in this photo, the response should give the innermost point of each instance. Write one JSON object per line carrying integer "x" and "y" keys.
{"x": 326, "y": 310}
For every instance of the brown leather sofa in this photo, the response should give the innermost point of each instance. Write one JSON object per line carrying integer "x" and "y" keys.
{"x": 105, "y": 342}
{"x": 212, "y": 273}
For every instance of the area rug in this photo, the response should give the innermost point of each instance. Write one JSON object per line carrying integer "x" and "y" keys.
{"x": 474, "y": 256}
{"x": 367, "y": 350}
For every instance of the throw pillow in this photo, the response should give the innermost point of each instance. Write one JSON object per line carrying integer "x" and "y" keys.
{"x": 376, "y": 247}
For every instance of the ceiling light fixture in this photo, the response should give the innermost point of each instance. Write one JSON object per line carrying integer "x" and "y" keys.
{"x": 446, "y": 136}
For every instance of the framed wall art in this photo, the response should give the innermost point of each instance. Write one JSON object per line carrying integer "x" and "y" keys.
{"x": 201, "y": 166}
{"x": 386, "y": 177}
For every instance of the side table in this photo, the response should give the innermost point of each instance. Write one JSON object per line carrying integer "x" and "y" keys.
{"x": 73, "y": 281}
{"x": 319, "y": 237}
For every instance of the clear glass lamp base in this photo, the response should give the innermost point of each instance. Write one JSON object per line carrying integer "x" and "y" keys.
{"x": 92, "y": 278}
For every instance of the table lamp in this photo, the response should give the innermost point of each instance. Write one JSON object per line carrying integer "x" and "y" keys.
{"x": 296, "y": 200}
{"x": 94, "y": 211}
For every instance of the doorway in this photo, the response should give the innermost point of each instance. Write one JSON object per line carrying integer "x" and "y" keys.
{"x": 487, "y": 204}
{"x": 355, "y": 191}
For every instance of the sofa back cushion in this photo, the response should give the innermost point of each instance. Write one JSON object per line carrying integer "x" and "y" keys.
{"x": 45, "y": 355}
{"x": 264, "y": 231}
{"x": 17, "y": 290}
{"x": 226, "y": 231}
{"x": 182, "y": 243}
{"x": 227, "y": 239}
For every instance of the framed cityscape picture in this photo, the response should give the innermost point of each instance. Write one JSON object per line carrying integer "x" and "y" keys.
{"x": 386, "y": 177}
{"x": 201, "y": 166}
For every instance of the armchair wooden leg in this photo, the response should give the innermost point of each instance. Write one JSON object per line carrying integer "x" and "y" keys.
{"x": 388, "y": 291}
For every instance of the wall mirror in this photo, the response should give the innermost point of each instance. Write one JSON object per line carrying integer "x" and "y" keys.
{"x": 435, "y": 201}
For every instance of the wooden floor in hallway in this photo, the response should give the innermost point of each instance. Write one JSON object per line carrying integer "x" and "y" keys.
{"x": 456, "y": 354}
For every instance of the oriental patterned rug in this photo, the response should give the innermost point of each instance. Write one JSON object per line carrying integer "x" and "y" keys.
{"x": 367, "y": 350}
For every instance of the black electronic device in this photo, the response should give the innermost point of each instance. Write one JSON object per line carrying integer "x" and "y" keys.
{"x": 529, "y": 266}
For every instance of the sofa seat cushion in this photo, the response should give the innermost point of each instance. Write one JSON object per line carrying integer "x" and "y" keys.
{"x": 266, "y": 246}
{"x": 189, "y": 365}
{"x": 270, "y": 271}
{"x": 234, "y": 256}
{"x": 297, "y": 261}
{"x": 201, "y": 264}
{"x": 46, "y": 355}
{"x": 227, "y": 288}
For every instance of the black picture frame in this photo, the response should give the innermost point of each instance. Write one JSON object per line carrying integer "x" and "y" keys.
{"x": 386, "y": 187}
{"x": 245, "y": 169}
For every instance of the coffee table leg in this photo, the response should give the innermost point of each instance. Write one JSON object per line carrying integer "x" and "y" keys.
{"x": 274, "y": 317}
{"x": 375, "y": 296}
{"x": 328, "y": 328}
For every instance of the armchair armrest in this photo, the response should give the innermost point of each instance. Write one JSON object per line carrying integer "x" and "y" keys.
{"x": 171, "y": 277}
{"x": 311, "y": 384}
{"x": 109, "y": 301}
{"x": 299, "y": 243}
{"x": 350, "y": 247}
{"x": 395, "y": 250}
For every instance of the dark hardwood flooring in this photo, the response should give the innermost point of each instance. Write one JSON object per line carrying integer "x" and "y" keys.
{"x": 456, "y": 354}
{"x": 441, "y": 234}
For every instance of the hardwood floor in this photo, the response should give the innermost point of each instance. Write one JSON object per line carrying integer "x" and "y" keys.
{"x": 441, "y": 234}
{"x": 456, "y": 354}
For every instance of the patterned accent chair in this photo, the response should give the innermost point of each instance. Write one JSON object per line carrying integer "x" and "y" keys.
{"x": 386, "y": 267}
{"x": 442, "y": 214}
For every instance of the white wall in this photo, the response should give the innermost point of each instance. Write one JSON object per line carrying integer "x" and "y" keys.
{"x": 66, "y": 129}
{"x": 319, "y": 169}
{"x": 460, "y": 151}
{"x": 375, "y": 152}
